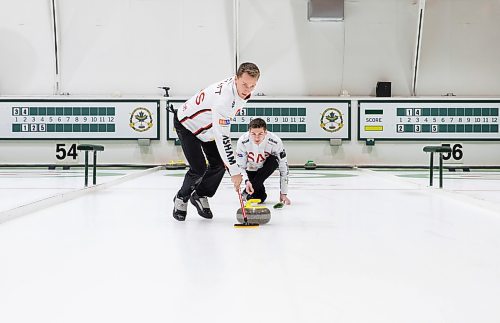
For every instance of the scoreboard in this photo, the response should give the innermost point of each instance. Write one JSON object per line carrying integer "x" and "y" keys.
{"x": 79, "y": 119}
{"x": 289, "y": 118}
{"x": 428, "y": 120}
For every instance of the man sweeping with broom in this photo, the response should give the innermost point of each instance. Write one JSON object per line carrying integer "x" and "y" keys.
{"x": 202, "y": 124}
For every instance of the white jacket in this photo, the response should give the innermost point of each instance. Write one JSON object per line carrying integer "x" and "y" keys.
{"x": 251, "y": 156}
{"x": 208, "y": 116}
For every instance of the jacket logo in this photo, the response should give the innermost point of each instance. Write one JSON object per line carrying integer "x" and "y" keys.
{"x": 226, "y": 142}
{"x": 259, "y": 158}
{"x": 219, "y": 89}
{"x": 224, "y": 122}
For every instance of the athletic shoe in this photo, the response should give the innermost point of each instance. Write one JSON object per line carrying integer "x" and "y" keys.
{"x": 180, "y": 209}
{"x": 201, "y": 204}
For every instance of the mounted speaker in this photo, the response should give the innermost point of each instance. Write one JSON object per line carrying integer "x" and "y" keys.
{"x": 383, "y": 89}
{"x": 325, "y": 10}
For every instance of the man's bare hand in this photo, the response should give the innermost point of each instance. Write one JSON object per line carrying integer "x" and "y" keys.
{"x": 249, "y": 188}
{"x": 237, "y": 179}
{"x": 285, "y": 199}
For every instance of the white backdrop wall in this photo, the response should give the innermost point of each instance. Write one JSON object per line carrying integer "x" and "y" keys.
{"x": 133, "y": 46}
{"x": 130, "y": 47}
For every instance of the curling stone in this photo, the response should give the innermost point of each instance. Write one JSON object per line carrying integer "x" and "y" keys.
{"x": 175, "y": 164}
{"x": 255, "y": 213}
{"x": 310, "y": 165}
{"x": 181, "y": 164}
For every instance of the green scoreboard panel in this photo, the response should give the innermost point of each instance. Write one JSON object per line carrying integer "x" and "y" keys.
{"x": 289, "y": 118}
{"x": 79, "y": 119}
{"x": 428, "y": 120}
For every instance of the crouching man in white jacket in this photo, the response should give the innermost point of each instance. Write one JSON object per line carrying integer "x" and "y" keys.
{"x": 259, "y": 153}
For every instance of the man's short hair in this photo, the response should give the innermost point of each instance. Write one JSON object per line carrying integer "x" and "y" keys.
{"x": 257, "y": 123}
{"x": 249, "y": 68}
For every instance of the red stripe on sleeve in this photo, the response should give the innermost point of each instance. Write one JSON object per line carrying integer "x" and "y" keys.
{"x": 202, "y": 129}
{"x": 195, "y": 115}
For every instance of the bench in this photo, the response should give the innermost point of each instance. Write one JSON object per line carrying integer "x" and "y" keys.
{"x": 95, "y": 149}
{"x": 441, "y": 150}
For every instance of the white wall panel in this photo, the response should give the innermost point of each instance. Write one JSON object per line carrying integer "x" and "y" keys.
{"x": 380, "y": 41}
{"x": 134, "y": 46}
{"x": 26, "y": 48}
{"x": 296, "y": 57}
{"x": 461, "y": 48}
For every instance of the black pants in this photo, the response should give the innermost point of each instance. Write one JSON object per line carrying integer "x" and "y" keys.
{"x": 258, "y": 177}
{"x": 200, "y": 177}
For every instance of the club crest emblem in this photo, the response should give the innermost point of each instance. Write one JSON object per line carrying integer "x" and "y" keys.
{"x": 331, "y": 120}
{"x": 141, "y": 119}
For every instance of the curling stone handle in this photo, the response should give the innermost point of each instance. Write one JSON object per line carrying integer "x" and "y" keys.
{"x": 252, "y": 203}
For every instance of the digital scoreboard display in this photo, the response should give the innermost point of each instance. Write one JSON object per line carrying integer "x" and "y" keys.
{"x": 79, "y": 119}
{"x": 289, "y": 119}
{"x": 428, "y": 120}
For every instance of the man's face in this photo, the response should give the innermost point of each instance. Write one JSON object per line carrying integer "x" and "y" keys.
{"x": 257, "y": 135}
{"x": 245, "y": 84}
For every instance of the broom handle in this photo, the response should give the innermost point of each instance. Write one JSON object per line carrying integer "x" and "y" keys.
{"x": 242, "y": 207}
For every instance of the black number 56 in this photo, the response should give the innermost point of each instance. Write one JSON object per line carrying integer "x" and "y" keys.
{"x": 456, "y": 152}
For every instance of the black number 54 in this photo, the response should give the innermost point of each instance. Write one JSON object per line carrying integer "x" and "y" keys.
{"x": 62, "y": 153}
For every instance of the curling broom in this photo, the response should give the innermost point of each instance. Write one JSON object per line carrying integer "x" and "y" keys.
{"x": 245, "y": 223}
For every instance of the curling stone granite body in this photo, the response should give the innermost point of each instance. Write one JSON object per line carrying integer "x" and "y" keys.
{"x": 260, "y": 215}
